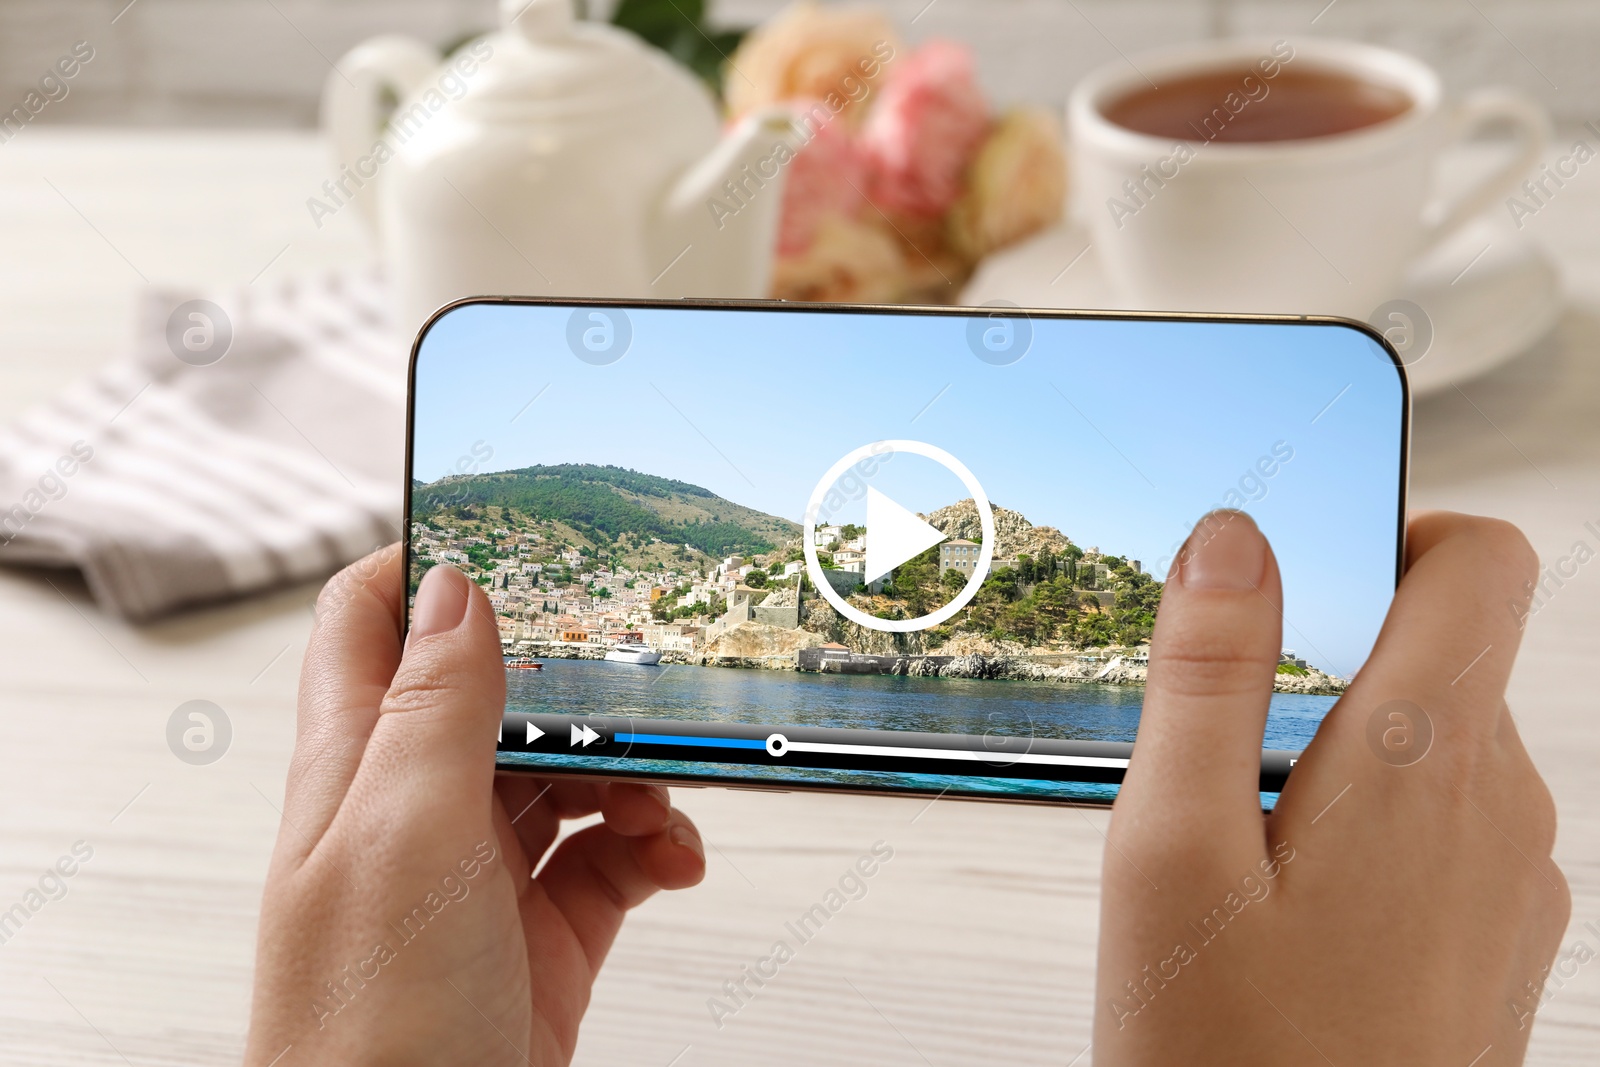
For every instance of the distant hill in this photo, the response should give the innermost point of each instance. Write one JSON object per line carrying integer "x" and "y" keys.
{"x": 613, "y": 501}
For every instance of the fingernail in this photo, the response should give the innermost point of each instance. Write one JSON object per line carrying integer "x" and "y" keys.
{"x": 684, "y": 837}
{"x": 441, "y": 602}
{"x": 1225, "y": 551}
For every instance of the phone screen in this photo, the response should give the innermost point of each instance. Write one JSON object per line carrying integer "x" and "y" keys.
{"x": 878, "y": 550}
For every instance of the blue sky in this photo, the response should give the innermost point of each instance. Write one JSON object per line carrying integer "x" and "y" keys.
{"x": 1121, "y": 434}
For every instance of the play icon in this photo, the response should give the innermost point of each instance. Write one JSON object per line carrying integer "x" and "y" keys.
{"x": 894, "y": 535}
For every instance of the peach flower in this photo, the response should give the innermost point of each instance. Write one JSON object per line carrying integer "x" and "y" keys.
{"x": 1016, "y": 186}
{"x": 846, "y": 262}
{"x": 807, "y": 52}
{"x": 923, "y": 131}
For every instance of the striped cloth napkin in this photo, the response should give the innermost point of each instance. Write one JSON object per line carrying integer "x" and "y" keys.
{"x": 258, "y": 444}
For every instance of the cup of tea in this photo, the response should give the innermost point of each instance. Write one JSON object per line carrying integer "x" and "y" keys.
{"x": 1277, "y": 176}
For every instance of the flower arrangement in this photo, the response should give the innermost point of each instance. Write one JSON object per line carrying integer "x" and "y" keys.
{"x": 905, "y": 178}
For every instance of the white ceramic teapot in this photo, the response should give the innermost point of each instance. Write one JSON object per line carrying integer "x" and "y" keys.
{"x": 553, "y": 158}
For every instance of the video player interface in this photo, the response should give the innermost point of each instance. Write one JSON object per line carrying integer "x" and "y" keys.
{"x": 912, "y": 551}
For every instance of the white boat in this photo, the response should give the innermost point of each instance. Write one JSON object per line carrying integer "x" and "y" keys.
{"x": 633, "y": 653}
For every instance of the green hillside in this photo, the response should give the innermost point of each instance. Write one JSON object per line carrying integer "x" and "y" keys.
{"x": 607, "y": 503}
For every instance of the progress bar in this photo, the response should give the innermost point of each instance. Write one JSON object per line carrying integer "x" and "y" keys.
{"x": 618, "y": 743}
{"x": 779, "y": 745}
{"x": 690, "y": 740}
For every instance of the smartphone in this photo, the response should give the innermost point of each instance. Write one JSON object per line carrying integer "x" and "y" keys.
{"x": 902, "y": 550}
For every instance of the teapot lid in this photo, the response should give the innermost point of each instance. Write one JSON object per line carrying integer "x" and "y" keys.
{"x": 547, "y": 62}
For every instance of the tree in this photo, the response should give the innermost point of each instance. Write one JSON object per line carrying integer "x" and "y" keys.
{"x": 1055, "y": 604}
{"x": 1021, "y": 621}
{"x": 1137, "y": 598}
{"x": 756, "y": 579}
{"x": 1003, "y": 582}
{"x": 1095, "y": 629}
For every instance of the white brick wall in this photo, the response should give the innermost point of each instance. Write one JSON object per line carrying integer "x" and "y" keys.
{"x": 261, "y": 62}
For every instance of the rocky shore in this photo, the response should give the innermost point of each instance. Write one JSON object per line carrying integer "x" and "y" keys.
{"x": 759, "y": 647}
{"x": 1019, "y": 668}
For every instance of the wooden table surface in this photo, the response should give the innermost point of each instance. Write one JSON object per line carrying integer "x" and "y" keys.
{"x": 974, "y": 944}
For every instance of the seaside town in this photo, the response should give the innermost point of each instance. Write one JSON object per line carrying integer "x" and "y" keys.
{"x": 553, "y": 595}
{"x": 1048, "y": 610}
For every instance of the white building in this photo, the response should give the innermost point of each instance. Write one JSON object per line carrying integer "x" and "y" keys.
{"x": 672, "y": 637}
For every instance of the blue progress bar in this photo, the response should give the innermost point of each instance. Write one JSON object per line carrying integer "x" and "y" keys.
{"x": 682, "y": 739}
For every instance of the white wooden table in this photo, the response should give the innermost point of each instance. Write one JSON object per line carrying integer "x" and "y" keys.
{"x": 975, "y": 944}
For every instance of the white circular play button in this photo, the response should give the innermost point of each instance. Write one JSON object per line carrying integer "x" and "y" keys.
{"x": 896, "y": 534}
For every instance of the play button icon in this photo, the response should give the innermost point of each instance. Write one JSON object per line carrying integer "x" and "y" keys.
{"x": 894, "y": 534}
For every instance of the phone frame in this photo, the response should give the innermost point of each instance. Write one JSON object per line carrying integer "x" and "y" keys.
{"x": 950, "y": 311}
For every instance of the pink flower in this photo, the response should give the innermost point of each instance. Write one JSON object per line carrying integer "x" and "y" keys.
{"x": 923, "y": 130}
{"x": 826, "y": 178}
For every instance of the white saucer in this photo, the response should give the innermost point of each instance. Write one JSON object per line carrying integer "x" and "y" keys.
{"x": 1490, "y": 293}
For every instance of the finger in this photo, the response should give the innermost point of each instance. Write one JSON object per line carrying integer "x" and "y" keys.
{"x": 354, "y": 650}
{"x": 1453, "y": 631}
{"x": 531, "y": 821}
{"x": 434, "y": 742}
{"x": 520, "y": 859}
{"x": 1195, "y": 773}
{"x": 1441, "y": 663}
{"x": 597, "y": 875}
{"x": 535, "y": 808}
{"x": 569, "y": 798}
{"x": 636, "y": 810}
{"x": 521, "y": 792}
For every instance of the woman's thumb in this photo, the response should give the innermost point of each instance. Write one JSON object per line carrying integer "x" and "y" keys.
{"x": 1196, "y": 766}
{"x": 440, "y": 716}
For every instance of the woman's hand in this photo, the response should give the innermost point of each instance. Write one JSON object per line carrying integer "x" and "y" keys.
{"x": 1397, "y": 904}
{"x": 401, "y": 922}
